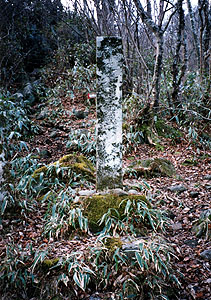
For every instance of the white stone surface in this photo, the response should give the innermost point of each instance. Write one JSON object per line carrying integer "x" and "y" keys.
{"x": 109, "y": 113}
{"x": 86, "y": 193}
{"x": 2, "y": 163}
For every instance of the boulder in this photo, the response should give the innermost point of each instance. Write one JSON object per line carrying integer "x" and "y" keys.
{"x": 86, "y": 193}
{"x": 194, "y": 194}
{"x": 179, "y": 188}
{"x": 43, "y": 114}
{"x": 206, "y": 254}
{"x": 80, "y": 114}
{"x": 152, "y": 167}
{"x": 97, "y": 205}
{"x": 207, "y": 177}
{"x": 78, "y": 164}
{"x": 28, "y": 92}
{"x": 201, "y": 226}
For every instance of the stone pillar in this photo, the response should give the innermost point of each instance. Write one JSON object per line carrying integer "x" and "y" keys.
{"x": 2, "y": 163}
{"x": 109, "y": 113}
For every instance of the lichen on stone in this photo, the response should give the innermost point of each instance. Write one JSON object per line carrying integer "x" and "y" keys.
{"x": 109, "y": 113}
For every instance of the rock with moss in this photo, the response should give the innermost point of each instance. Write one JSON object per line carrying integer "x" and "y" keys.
{"x": 49, "y": 263}
{"x": 112, "y": 243}
{"x": 190, "y": 162}
{"x": 98, "y": 205}
{"x": 201, "y": 227}
{"x": 152, "y": 167}
{"x": 167, "y": 131}
{"x": 78, "y": 164}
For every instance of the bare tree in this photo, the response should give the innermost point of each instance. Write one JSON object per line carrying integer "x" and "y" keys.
{"x": 205, "y": 35}
{"x": 194, "y": 33}
{"x": 158, "y": 30}
{"x": 180, "y": 58}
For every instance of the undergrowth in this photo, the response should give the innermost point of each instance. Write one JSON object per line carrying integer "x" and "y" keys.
{"x": 143, "y": 272}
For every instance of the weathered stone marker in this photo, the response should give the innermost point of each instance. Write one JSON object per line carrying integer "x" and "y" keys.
{"x": 109, "y": 113}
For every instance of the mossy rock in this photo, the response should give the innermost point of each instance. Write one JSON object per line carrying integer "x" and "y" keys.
{"x": 201, "y": 227}
{"x": 97, "y": 205}
{"x": 112, "y": 243}
{"x": 150, "y": 136}
{"x": 71, "y": 162}
{"x": 190, "y": 162}
{"x": 153, "y": 167}
{"x": 49, "y": 263}
{"x": 167, "y": 131}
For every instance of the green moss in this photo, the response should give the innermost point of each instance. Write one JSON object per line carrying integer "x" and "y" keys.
{"x": 79, "y": 164}
{"x": 49, "y": 263}
{"x": 37, "y": 172}
{"x": 97, "y": 205}
{"x": 112, "y": 243}
{"x": 46, "y": 196}
{"x": 154, "y": 167}
{"x": 190, "y": 162}
{"x": 106, "y": 182}
{"x": 167, "y": 131}
{"x": 125, "y": 126}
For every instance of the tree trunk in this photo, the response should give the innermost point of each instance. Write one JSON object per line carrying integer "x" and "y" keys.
{"x": 157, "y": 71}
{"x": 205, "y": 34}
{"x": 177, "y": 71}
{"x": 158, "y": 32}
{"x": 195, "y": 39}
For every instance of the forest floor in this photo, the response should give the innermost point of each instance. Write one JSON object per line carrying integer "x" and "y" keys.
{"x": 184, "y": 207}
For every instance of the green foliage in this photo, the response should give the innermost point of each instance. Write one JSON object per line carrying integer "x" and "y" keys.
{"x": 104, "y": 265}
{"x": 63, "y": 215}
{"x": 15, "y": 267}
{"x": 14, "y": 124}
{"x": 15, "y": 127}
{"x": 27, "y": 36}
{"x": 83, "y": 143}
{"x": 138, "y": 215}
{"x": 202, "y": 226}
{"x": 193, "y": 107}
{"x": 132, "y": 138}
{"x": 143, "y": 272}
{"x": 20, "y": 184}
{"x": 71, "y": 72}
{"x": 167, "y": 131}
{"x": 77, "y": 267}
